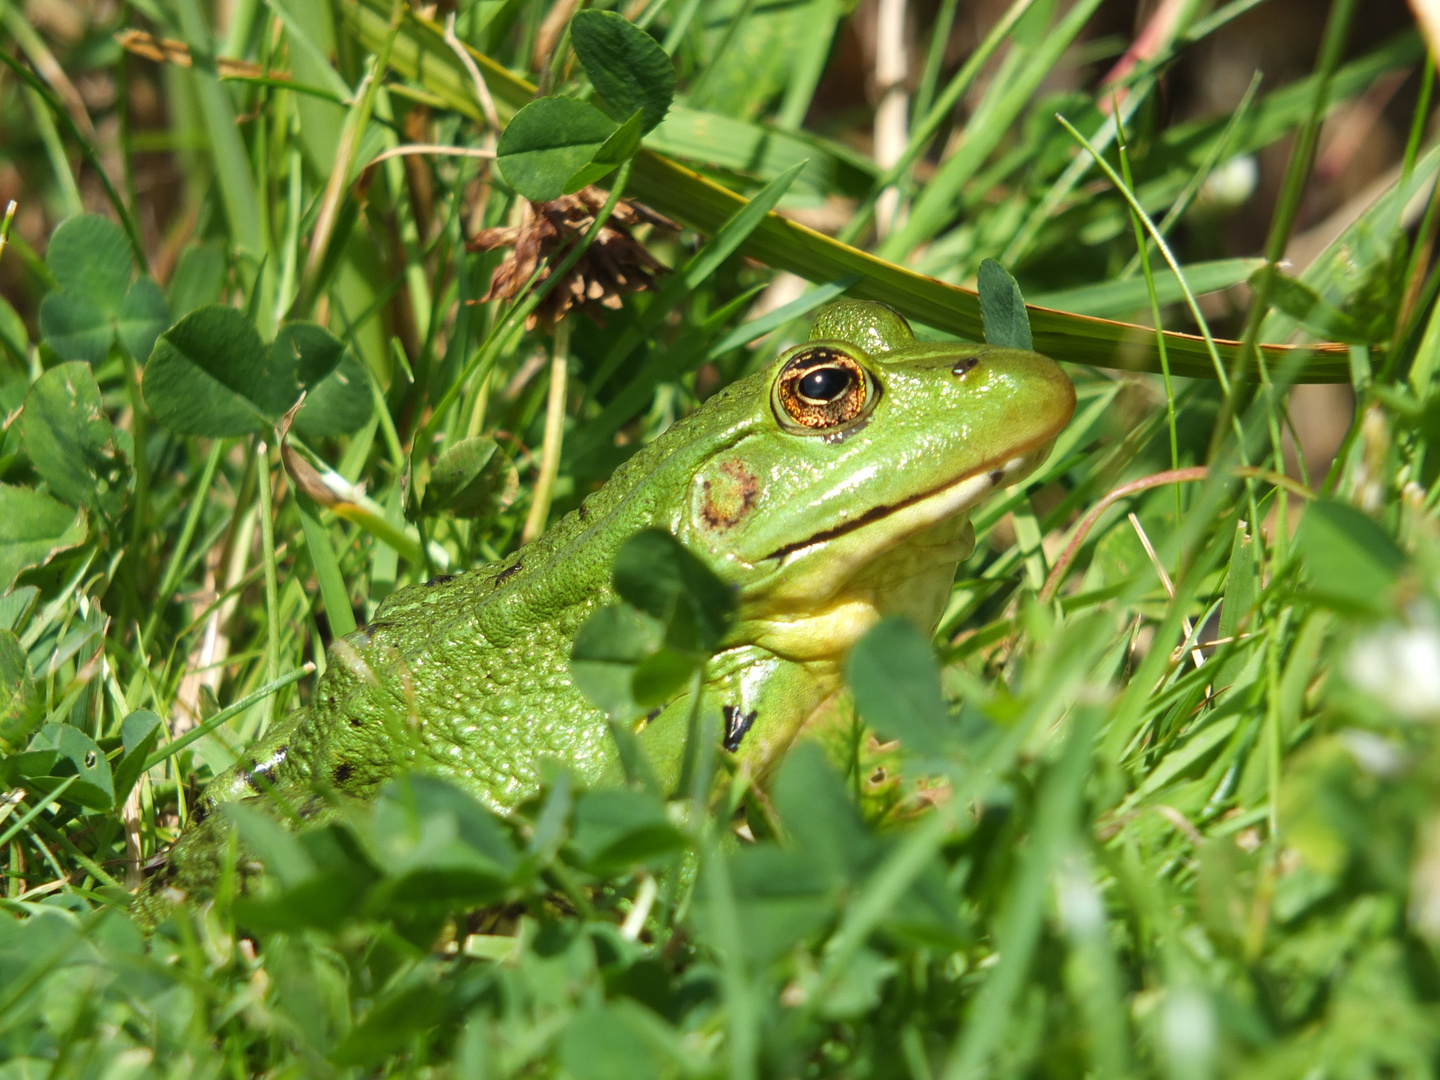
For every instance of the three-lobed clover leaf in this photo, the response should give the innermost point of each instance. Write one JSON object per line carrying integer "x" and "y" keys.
{"x": 100, "y": 300}
{"x": 211, "y": 374}
{"x": 557, "y": 145}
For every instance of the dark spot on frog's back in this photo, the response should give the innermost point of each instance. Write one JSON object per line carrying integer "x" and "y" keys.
{"x": 343, "y": 772}
{"x": 730, "y": 496}
{"x": 439, "y": 579}
{"x": 509, "y": 572}
{"x": 963, "y": 366}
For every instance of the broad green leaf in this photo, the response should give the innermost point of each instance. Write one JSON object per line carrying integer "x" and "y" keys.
{"x": 781, "y": 897}
{"x": 210, "y": 374}
{"x": 1351, "y": 561}
{"x": 473, "y": 479}
{"x": 1003, "y": 308}
{"x": 608, "y": 648}
{"x": 896, "y": 682}
{"x": 657, "y": 574}
{"x": 33, "y": 528}
{"x": 198, "y": 279}
{"x": 59, "y": 751}
{"x": 818, "y": 814}
{"x": 140, "y": 318}
{"x": 13, "y": 337}
{"x": 440, "y": 849}
{"x": 549, "y": 141}
{"x": 662, "y": 675}
{"x": 21, "y": 710}
{"x": 70, "y": 440}
{"x": 629, "y": 69}
{"x": 397, "y": 1021}
{"x": 90, "y": 257}
{"x": 309, "y": 351}
{"x": 615, "y": 829}
{"x": 138, "y": 735}
{"x": 338, "y": 404}
{"x": 609, "y": 1042}
{"x": 615, "y": 151}
{"x": 75, "y": 327}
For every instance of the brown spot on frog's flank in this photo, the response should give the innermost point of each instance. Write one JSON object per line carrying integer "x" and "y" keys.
{"x": 439, "y": 579}
{"x": 343, "y": 771}
{"x": 730, "y": 496}
{"x": 355, "y": 721}
{"x": 509, "y": 572}
{"x": 963, "y": 366}
{"x": 737, "y": 724}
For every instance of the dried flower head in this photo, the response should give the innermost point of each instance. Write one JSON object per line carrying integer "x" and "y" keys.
{"x": 615, "y": 264}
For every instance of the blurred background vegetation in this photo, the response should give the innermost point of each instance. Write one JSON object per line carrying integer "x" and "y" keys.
{"x": 1175, "y": 810}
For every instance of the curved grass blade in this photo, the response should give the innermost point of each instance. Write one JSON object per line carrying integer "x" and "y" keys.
{"x": 420, "y": 53}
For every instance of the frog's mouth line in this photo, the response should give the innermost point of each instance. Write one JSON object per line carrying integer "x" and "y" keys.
{"x": 956, "y": 496}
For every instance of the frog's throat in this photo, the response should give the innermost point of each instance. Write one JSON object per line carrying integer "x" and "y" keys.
{"x": 897, "y": 559}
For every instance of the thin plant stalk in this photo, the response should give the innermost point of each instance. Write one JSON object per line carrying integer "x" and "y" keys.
{"x": 554, "y": 433}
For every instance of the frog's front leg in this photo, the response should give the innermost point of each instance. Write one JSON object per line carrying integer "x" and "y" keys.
{"x": 755, "y": 702}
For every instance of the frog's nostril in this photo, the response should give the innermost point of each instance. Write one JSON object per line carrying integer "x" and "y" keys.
{"x": 963, "y": 365}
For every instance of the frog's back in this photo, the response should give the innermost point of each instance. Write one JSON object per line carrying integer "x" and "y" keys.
{"x": 468, "y": 674}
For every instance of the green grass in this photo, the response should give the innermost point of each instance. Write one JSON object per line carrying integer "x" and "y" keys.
{"x": 1182, "y": 824}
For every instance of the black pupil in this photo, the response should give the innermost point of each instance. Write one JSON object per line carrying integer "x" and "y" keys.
{"x": 825, "y": 384}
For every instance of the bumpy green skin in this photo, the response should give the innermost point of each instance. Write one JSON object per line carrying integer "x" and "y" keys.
{"x": 820, "y": 532}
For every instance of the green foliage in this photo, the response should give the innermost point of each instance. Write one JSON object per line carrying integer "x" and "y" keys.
{"x": 97, "y": 303}
{"x": 1179, "y": 825}
{"x": 1003, "y": 308}
{"x": 212, "y": 375}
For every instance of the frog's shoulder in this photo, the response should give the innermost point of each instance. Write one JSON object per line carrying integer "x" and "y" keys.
{"x": 442, "y": 590}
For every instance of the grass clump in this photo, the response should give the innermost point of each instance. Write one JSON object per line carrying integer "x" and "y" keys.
{"x": 1164, "y": 800}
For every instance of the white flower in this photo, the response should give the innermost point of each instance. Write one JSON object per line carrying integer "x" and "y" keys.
{"x": 1399, "y": 665}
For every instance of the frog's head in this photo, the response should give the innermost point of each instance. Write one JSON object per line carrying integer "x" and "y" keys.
{"x": 840, "y": 487}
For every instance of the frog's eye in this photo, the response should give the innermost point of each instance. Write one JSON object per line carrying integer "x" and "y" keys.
{"x": 821, "y": 388}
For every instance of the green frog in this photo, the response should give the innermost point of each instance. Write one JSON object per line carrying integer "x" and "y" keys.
{"x": 828, "y": 490}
